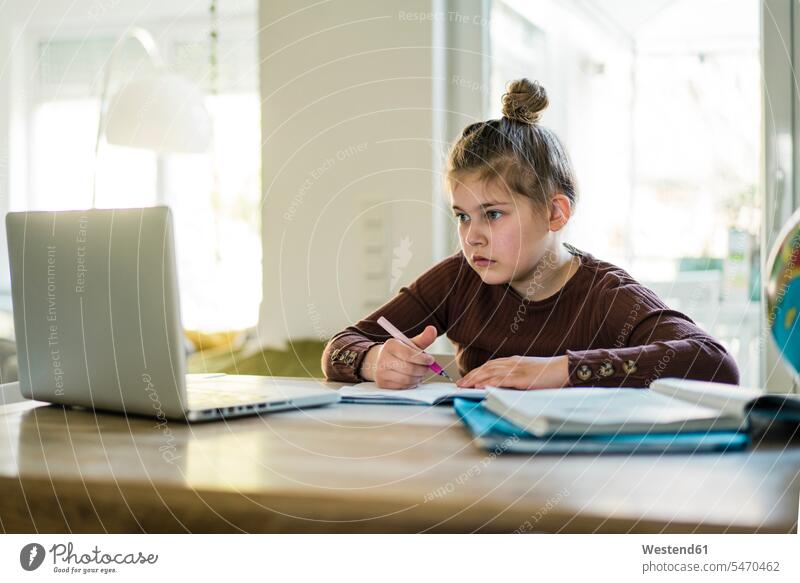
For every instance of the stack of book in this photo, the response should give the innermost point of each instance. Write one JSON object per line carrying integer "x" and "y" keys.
{"x": 672, "y": 415}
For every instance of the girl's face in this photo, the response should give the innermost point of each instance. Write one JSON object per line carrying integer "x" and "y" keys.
{"x": 506, "y": 229}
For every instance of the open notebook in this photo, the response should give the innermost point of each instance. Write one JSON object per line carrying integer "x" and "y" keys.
{"x": 426, "y": 394}
{"x": 671, "y": 405}
{"x": 732, "y": 399}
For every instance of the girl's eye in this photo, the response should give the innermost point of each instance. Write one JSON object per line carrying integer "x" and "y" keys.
{"x": 460, "y": 217}
{"x": 497, "y": 214}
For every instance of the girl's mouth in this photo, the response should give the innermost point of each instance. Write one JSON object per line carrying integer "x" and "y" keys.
{"x": 483, "y": 262}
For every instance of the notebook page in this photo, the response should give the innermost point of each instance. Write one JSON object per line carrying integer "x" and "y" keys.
{"x": 429, "y": 393}
{"x": 597, "y": 406}
{"x": 730, "y": 399}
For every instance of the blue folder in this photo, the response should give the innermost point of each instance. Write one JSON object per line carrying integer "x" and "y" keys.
{"x": 500, "y": 435}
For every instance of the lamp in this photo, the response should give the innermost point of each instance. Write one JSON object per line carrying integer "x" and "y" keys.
{"x": 161, "y": 112}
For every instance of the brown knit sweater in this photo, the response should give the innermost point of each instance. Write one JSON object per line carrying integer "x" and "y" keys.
{"x": 614, "y": 331}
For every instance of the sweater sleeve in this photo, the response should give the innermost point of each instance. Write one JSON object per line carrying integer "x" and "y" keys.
{"x": 645, "y": 341}
{"x": 423, "y": 302}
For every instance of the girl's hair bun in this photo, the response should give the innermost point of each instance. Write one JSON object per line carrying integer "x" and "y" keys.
{"x": 524, "y": 101}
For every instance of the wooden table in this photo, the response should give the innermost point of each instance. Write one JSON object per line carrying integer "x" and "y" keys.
{"x": 361, "y": 468}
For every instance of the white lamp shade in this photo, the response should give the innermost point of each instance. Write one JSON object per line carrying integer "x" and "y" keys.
{"x": 164, "y": 113}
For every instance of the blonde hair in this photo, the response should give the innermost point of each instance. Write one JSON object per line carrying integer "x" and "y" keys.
{"x": 515, "y": 150}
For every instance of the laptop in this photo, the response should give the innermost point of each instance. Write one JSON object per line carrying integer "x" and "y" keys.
{"x": 98, "y": 325}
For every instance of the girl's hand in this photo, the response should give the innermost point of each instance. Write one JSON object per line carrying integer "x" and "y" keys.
{"x": 393, "y": 365}
{"x": 519, "y": 372}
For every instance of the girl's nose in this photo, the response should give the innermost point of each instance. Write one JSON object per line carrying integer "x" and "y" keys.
{"x": 475, "y": 237}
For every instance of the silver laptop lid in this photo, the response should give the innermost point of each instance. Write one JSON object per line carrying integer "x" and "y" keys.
{"x": 96, "y": 309}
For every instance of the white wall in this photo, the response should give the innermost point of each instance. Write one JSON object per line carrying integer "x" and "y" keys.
{"x": 353, "y": 104}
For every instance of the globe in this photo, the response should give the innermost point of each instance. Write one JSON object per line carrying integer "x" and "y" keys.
{"x": 783, "y": 293}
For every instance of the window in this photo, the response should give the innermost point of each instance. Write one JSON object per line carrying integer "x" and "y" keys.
{"x": 658, "y": 104}
{"x": 215, "y": 196}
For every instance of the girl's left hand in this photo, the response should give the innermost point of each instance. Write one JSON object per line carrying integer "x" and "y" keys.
{"x": 519, "y": 372}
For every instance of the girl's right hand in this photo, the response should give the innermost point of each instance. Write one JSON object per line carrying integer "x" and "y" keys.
{"x": 393, "y": 365}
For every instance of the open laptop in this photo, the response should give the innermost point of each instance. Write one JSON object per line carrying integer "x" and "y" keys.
{"x": 97, "y": 321}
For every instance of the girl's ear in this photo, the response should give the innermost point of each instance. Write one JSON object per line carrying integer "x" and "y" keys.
{"x": 560, "y": 212}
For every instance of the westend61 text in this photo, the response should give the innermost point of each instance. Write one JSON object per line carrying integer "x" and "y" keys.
{"x": 673, "y": 550}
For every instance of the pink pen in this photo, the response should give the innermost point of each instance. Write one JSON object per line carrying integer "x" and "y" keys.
{"x": 387, "y": 325}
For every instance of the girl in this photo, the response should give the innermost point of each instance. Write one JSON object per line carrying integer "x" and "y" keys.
{"x": 524, "y": 309}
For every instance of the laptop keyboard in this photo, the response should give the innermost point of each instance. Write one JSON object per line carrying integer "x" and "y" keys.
{"x": 204, "y": 394}
{"x": 217, "y": 399}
